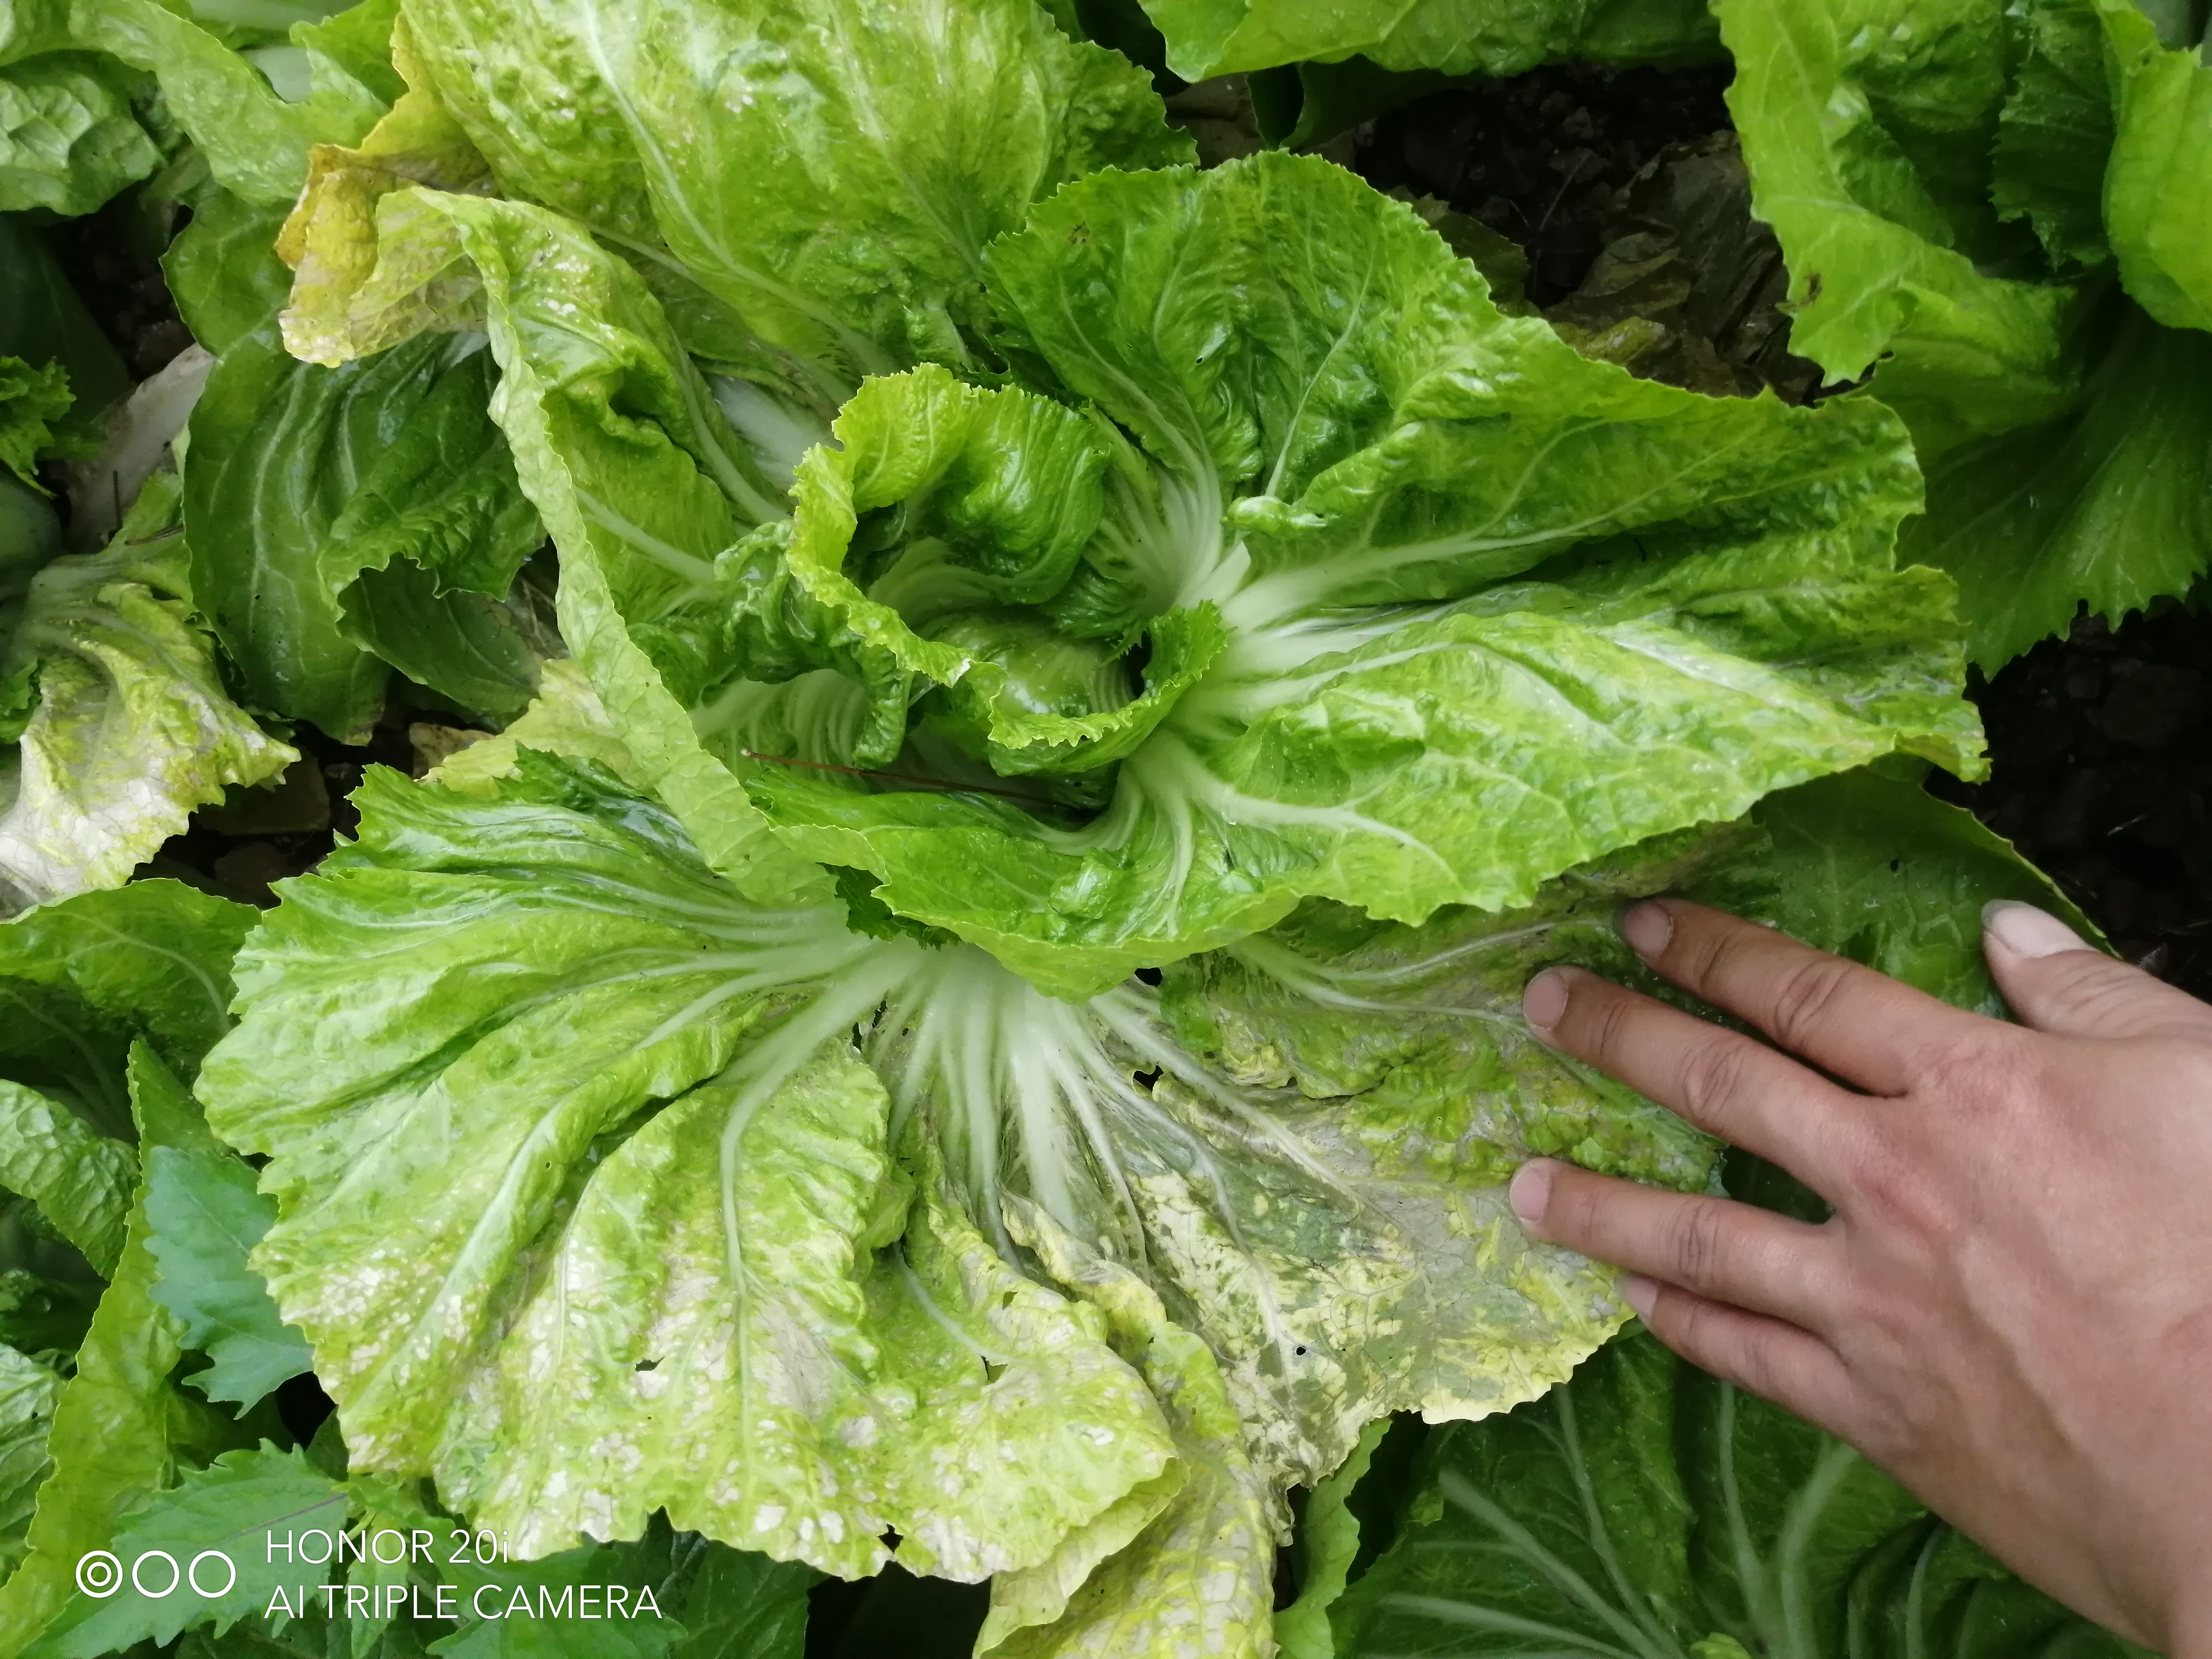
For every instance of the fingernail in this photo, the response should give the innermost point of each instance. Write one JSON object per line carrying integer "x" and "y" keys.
{"x": 2027, "y": 932}
{"x": 1639, "y": 1293}
{"x": 1544, "y": 998}
{"x": 1647, "y": 927}
{"x": 1530, "y": 1193}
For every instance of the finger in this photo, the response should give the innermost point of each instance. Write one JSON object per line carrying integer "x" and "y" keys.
{"x": 1725, "y": 1251}
{"x": 1860, "y": 1025}
{"x": 1725, "y": 1083}
{"x": 1770, "y": 1358}
{"x": 2058, "y": 981}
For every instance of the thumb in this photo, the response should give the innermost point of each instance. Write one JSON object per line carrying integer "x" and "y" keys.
{"x": 2058, "y": 981}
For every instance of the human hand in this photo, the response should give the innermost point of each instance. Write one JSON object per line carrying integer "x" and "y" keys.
{"x": 2010, "y": 1310}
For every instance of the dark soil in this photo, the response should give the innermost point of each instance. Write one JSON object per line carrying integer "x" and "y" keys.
{"x": 113, "y": 258}
{"x": 2101, "y": 751}
{"x": 1630, "y": 202}
{"x": 258, "y": 837}
{"x": 895, "y": 1612}
{"x": 1539, "y": 158}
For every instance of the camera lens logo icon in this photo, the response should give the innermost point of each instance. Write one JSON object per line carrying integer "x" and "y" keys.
{"x": 99, "y": 1575}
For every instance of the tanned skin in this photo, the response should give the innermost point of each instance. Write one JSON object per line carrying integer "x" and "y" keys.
{"x": 2011, "y": 1310}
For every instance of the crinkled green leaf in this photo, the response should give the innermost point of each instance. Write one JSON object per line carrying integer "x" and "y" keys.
{"x": 81, "y": 977}
{"x": 204, "y": 1215}
{"x": 80, "y": 1179}
{"x": 994, "y": 495}
{"x": 117, "y": 1422}
{"x": 329, "y": 510}
{"x": 1200, "y": 1575}
{"x": 341, "y": 306}
{"x": 514, "y": 1261}
{"x": 444, "y": 494}
{"x": 829, "y": 171}
{"x": 2158, "y": 185}
{"x": 1459, "y": 37}
{"x": 619, "y": 444}
{"x": 28, "y": 1391}
{"x": 845, "y": 1390}
{"x": 31, "y": 401}
{"x": 566, "y": 718}
{"x": 351, "y": 81}
{"x": 278, "y": 447}
{"x": 1370, "y": 432}
{"x": 69, "y": 138}
{"x": 1646, "y": 1507}
{"x": 2055, "y": 132}
{"x": 2109, "y": 507}
{"x": 134, "y": 725}
{"x": 1552, "y": 564}
{"x": 355, "y": 41}
{"x": 230, "y": 1509}
{"x": 1870, "y": 133}
{"x": 254, "y": 142}
{"x": 427, "y": 548}
{"x": 1337, "y": 1271}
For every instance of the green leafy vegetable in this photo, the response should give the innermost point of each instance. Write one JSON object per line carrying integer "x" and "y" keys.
{"x": 1870, "y": 134}
{"x": 1647, "y": 1509}
{"x": 254, "y": 142}
{"x": 897, "y": 1346}
{"x": 1407, "y": 500}
{"x": 28, "y": 1390}
{"x": 218, "y": 1520}
{"x": 1328, "y": 1540}
{"x": 1200, "y": 1553}
{"x": 493, "y": 1629}
{"x": 335, "y": 512}
{"x": 1096, "y": 1155}
{"x": 203, "y": 1215}
{"x": 224, "y": 272}
{"x": 118, "y": 1425}
{"x": 2160, "y": 229}
{"x": 133, "y": 726}
{"x": 31, "y": 401}
{"x": 2108, "y": 507}
{"x": 854, "y": 250}
{"x": 549, "y": 950}
{"x": 2055, "y": 132}
{"x": 80, "y": 1179}
{"x": 69, "y": 137}
{"x": 743, "y": 1605}
{"x": 1459, "y": 37}
{"x": 973, "y": 1022}
{"x": 82, "y": 979}
{"x": 1899, "y": 160}
{"x": 106, "y": 997}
